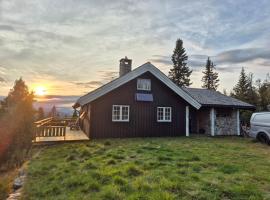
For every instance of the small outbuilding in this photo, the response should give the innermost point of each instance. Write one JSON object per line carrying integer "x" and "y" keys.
{"x": 146, "y": 103}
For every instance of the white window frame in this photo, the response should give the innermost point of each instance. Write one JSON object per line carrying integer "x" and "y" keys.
{"x": 142, "y": 88}
{"x": 121, "y": 113}
{"x": 163, "y": 114}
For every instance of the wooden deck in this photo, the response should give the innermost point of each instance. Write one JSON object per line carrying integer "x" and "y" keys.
{"x": 71, "y": 135}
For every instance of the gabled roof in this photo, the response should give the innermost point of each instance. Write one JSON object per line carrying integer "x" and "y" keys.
{"x": 147, "y": 67}
{"x": 213, "y": 98}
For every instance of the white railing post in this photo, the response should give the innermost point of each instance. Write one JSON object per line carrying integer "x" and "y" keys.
{"x": 187, "y": 121}
{"x": 212, "y": 121}
{"x": 238, "y": 121}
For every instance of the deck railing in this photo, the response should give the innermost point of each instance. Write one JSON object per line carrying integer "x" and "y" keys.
{"x": 50, "y": 128}
{"x": 51, "y": 131}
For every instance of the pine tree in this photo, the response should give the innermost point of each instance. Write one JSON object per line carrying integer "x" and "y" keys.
{"x": 210, "y": 78}
{"x": 41, "y": 114}
{"x": 53, "y": 112}
{"x": 18, "y": 118}
{"x": 75, "y": 114}
{"x": 245, "y": 91}
{"x": 241, "y": 89}
{"x": 180, "y": 72}
{"x": 17, "y": 94}
{"x": 264, "y": 93}
{"x": 252, "y": 94}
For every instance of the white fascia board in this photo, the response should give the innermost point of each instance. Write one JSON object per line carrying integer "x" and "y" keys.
{"x": 133, "y": 74}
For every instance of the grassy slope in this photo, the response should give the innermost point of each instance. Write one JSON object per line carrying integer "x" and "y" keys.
{"x": 158, "y": 168}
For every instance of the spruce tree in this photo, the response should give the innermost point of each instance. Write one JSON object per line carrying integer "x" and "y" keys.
{"x": 41, "y": 114}
{"x": 53, "y": 112}
{"x": 240, "y": 91}
{"x": 264, "y": 94}
{"x": 75, "y": 113}
{"x": 252, "y": 94}
{"x": 210, "y": 78}
{"x": 16, "y": 124}
{"x": 180, "y": 72}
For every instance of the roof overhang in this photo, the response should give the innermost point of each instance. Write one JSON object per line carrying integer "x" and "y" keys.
{"x": 251, "y": 107}
{"x": 147, "y": 67}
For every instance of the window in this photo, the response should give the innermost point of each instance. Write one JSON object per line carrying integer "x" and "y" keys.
{"x": 120, "y": 113}
{"x": 262, "y": 118}
{"x": 164, "y": 114}
{"x": 144, "y": 84}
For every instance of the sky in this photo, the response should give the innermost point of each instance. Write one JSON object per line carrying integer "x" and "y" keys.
{"x": 71, "y": 47}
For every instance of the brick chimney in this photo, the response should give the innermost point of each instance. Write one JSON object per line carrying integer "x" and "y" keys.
{"x": 125, "y": 66}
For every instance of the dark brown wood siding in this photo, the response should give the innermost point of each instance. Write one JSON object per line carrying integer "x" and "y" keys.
{"x": 143, "y": 115}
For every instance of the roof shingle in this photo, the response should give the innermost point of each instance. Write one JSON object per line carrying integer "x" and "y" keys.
{"x": 213, "y": 98}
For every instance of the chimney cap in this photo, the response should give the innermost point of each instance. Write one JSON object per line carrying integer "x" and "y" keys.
{"x": 125, "y": 58}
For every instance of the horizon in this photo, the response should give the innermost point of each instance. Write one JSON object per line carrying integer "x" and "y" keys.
{"x": 61, "y": 51}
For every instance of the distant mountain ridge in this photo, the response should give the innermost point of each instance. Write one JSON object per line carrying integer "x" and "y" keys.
{"x": 63, "y": 104}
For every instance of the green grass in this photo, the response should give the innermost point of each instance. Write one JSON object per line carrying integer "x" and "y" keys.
{"x": 151, "y": 168}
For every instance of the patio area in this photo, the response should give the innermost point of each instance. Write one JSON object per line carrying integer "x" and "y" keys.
{"x": 71, "y": 135}
{"x": 58, "y": 130}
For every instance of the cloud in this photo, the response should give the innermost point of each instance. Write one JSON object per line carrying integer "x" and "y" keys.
{"x": 2, "y": 80}
{"x": 73, "y": 41}
{"x": 194, "y": 61}
{"x": 226, "y": 60}
{"x": 89, "y": 84}
{"x": 242, "y": 55}
{"x": 106, "y": 76}
{"x": 6, "y": 28}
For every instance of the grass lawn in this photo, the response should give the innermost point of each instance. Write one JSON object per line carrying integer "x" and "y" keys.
{"x": 151, "y": 168}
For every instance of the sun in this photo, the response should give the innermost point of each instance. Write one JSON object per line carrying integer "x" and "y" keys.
{"x": 40, "y": 91}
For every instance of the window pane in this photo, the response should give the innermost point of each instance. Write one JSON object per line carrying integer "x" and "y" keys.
{"x": 125, "y": 112}
{"x": 168, "y": 114}
{"x": 144, "y": 84}
{"x": 160, "y": 113}
{"x": 116, "y": 113}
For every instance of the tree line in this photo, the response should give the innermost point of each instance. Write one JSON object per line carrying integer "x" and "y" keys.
{"x": 246, "y": 89}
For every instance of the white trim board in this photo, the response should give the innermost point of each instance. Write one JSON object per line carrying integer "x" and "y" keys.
{"x": 147, "y": 67}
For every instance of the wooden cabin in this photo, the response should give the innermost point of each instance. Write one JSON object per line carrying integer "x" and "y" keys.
{"x": 146, "y": 103}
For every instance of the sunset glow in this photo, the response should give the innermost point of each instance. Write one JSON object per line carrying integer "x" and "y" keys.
{"x": 40, "y": 91}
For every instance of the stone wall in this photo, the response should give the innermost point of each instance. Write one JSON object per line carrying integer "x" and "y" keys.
{"x": 226, "y": 122}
